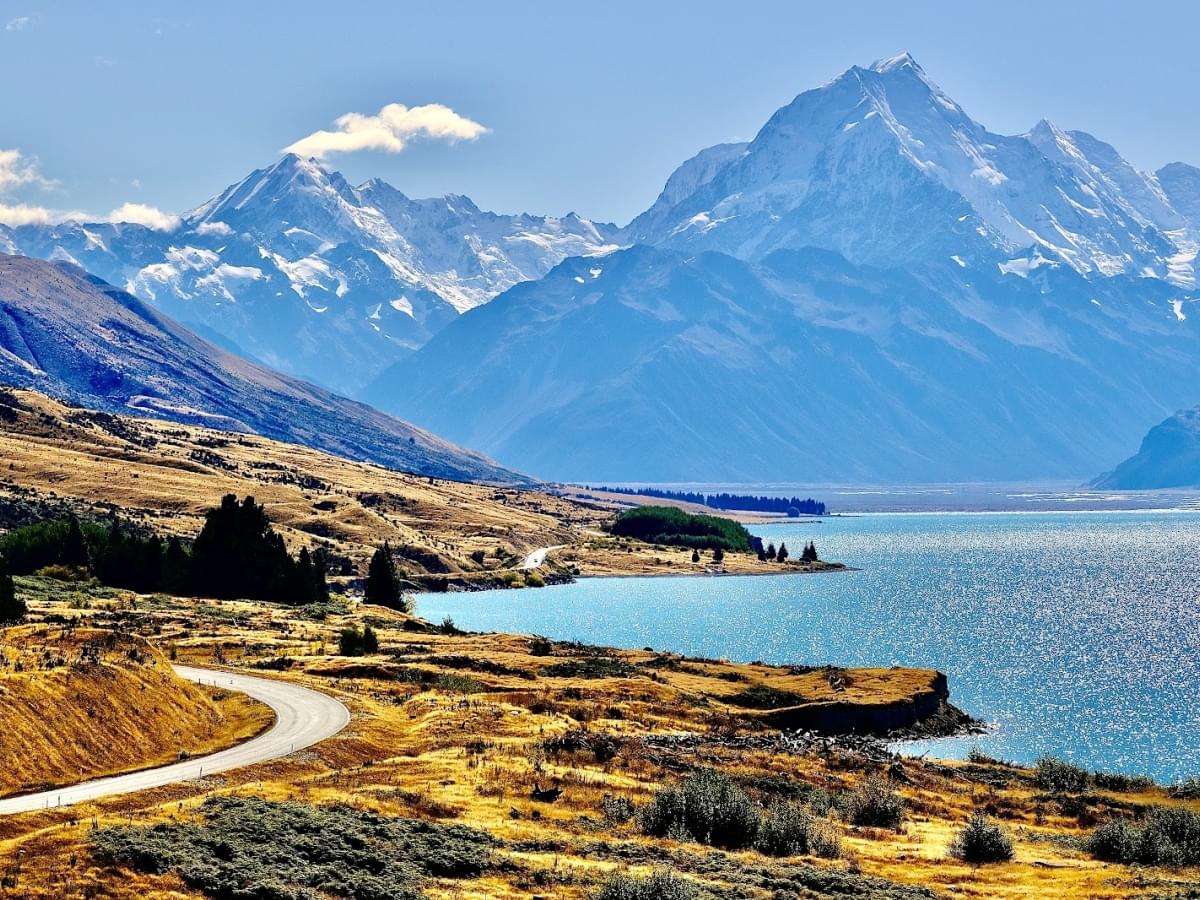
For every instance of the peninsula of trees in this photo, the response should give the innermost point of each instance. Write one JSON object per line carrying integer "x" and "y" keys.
{"x": 789, "y": 506}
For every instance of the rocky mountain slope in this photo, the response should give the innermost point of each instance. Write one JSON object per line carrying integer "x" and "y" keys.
{"x": 72, "y": 336}
{"x": 876, "y": 287}
{"x": 298, "y": 269}
{"x": 672, "y": 366}
{"x": 1169, "y": 457}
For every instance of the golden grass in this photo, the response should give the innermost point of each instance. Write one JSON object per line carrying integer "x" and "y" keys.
{"x": 78, "y": 703}
{"x": 467, "y": 746}
{"x": 167, "y": 475}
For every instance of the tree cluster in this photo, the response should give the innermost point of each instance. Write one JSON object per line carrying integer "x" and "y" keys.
{"x": 236, "y": 555}
{"x": 12, "y": 608}
{"x": 676, "y": 528}
{"x": 769, "y": 553}
{"x": 790, "y": 506}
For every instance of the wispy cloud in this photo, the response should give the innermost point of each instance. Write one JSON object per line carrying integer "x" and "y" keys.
{"x": 389, "y": 130}
{"x": 17, "y": 170}
{"x": 20, "y": 23}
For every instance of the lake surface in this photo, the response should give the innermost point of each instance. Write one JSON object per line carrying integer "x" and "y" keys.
{"x": 1075, "y": 634}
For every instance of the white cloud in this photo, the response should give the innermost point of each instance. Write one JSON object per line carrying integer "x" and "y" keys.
{"x": 17, "y": 169}
{"x": 23, "y": 214}
{"x": 20, "y": 23}
{"x": 389, "y": 130}
{"x": 141, "y": 214}
{"x": 217, "y": 228}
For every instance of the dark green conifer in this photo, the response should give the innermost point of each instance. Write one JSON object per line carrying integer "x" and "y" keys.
{"x": 12, "y": 609}
{"x": 383, "y": 588}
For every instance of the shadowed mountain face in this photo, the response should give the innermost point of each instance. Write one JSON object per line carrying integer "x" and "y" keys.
{"x": 662, "y": 365}
{"x": 72, "y": 336}
{"x": 1168, "y": 458}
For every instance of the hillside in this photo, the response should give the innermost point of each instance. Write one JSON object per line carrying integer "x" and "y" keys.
{"x": 164, "y": 477}
{"x": 116, "y": 698}
{"x": 1169, "y": 457}
{"x": 71, "y": 335}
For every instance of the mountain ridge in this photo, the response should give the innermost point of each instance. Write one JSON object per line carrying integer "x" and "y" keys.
{"x": 313, "y": 276}
{"x": 72, "y": 336}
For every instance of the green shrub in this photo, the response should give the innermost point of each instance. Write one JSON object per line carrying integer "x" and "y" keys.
{"x": 982, "y": 841}
{"x": 1122, "y": 784}
{"x": 353, "y": 642}
{"x": 540, "y": 646}
{"x": 254, "y": 849}
{"x": 1188, "y": 789}
{"x": 707, "y": 807}
{"x": 1167, "y": 837}
{"x": 789, "y": 830}
{"x": 661, "y": 885}
{"x": 875, "y": 804}
{"x": 1061, "y": 777}
{"x": 1114, "y": 841}
{"x": 675, "y": 528}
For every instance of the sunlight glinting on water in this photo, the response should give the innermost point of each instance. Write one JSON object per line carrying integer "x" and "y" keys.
{"x": 1076, "y": 634}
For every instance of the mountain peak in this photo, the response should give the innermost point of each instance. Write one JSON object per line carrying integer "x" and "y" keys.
{"x": 899, "y": 62}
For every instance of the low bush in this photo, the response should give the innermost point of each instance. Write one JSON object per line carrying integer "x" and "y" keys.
{"x": 1188, "y": 789}
{"x": 874, "y": 804}
{"x": 982, "y": 841}
{"x": 1167, "y": 837}
{"x": 355, "y": 642}
{"x": 661, "y": 885}
{"x": 707, "y": 807}
{"x": 789, "y": 830}
{"x": 710, "y": 808}
{"x": 1060, "y": 777}
{"x": 254, "y": 848}
{"x": 1122, "y": 784}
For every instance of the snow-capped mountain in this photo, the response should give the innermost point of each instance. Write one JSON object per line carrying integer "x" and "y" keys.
{"x": 296, "y": 268}
{"x": 882, "y": 166}
{"x": 875, "y": 288}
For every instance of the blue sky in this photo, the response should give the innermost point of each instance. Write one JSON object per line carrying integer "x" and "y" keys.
{"x": 588, "y": 107}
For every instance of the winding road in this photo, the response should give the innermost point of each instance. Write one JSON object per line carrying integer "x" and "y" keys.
{"x": 302, "y": 718}
{"x": 537, "y": 557}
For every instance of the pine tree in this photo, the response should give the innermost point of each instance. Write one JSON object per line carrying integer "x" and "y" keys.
{"x": 695, "y": 556}
{"x": 718, "y": 555}
{"x": 320, "y": 570}
{"x": 12, "y": 609}
{"x": 783, "y": 554}
{"x": 370, "y": 642}
{"x": 771, "y": 551}
{"x": 74, "y": 550}
{"x": 383, "y": 588}
{"x": 176, "y": 570}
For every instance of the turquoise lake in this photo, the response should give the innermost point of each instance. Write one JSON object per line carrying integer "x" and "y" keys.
{"x": 1073, "y": 634}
